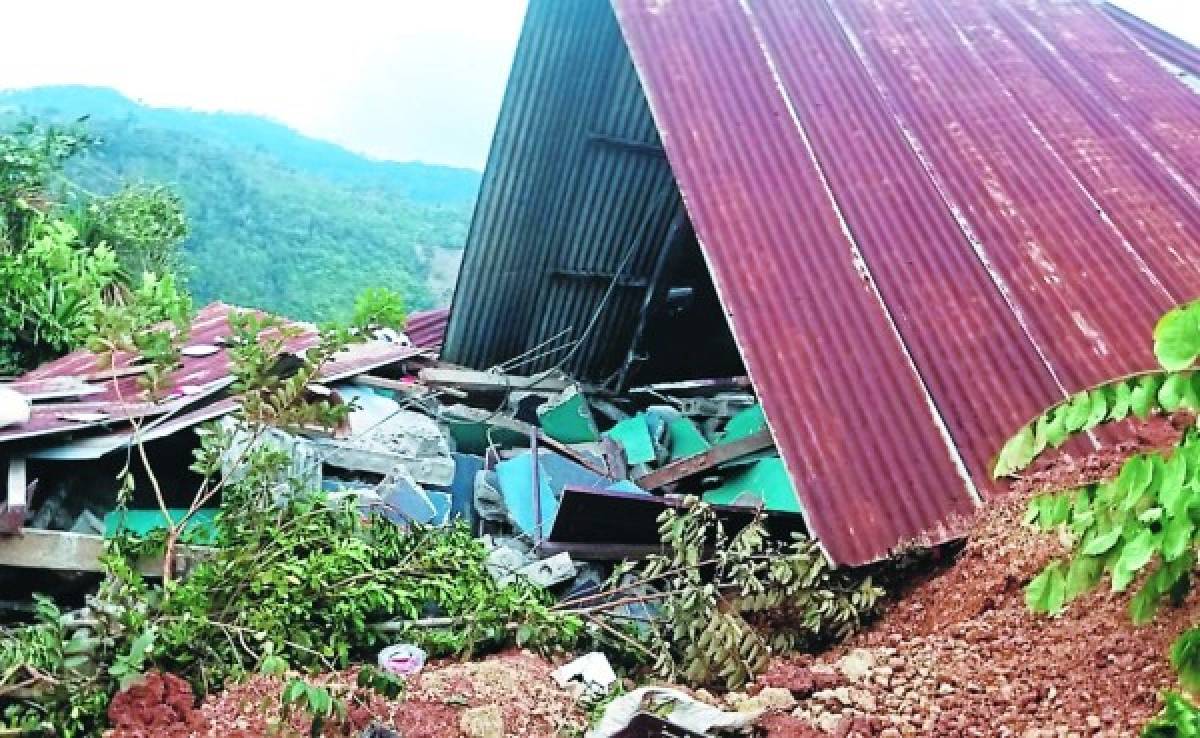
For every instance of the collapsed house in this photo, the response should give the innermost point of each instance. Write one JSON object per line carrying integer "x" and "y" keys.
{"x": 820, "y": 259}
{"x": 913, "y": 226}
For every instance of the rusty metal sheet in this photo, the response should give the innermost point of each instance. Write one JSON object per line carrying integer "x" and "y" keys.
{"x": 1126, "y": 78}
{"x": 855, "y": 425}
{"x": 1093, "y": 300}
{"x": 922, "y": 259}
{"x": 427, "y": 329}
{"x": 967, "y": 177}
{"x": 121, "y": 399}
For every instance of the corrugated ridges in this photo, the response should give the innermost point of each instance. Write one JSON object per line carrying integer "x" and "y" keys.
{"x": 555, "y": 202}
{"x": 1090, "y": 302}
{"x": 1126, "y": 78}
{"x": 849, "y": 413}
{"x": 1026, "y": 213}
{"x": 940, "y": 293}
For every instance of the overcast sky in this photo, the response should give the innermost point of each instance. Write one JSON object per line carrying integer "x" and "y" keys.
{"x": 396, "y": 79}
{"x": 1180, "y": 17}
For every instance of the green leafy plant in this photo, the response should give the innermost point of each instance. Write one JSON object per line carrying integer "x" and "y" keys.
{"x": 730, "y": 600}
{"x": 379, "y": 307}
{"x": 1145, "y": 523}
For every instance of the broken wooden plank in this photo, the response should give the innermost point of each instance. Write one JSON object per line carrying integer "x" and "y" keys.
{"x": 408, "y": 388}
{"x": 477, "y": 381}
{"x": 60, "y": 550}
{"x": 703, "y": 462}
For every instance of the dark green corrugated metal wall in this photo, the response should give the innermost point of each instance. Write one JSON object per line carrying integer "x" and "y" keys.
{"x": 576, "y": 191}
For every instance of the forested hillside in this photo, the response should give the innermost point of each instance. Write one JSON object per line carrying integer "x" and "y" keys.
{"x": 278, "y": 220}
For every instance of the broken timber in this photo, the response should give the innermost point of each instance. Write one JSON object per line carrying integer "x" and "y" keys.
{"x": 701, "y": 462}
{"x": 59, "y": 550}
{"x": 476, "y": 381}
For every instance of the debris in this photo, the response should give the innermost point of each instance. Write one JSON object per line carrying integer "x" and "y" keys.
{"x": 634, "y": 436}
{"x": 676, "y": 707}
{"x": 707, "y": 460}
{"x": 592, "y": 671}
{"x": 568, "y": 419}
{"x": 551, "y": 571}
{"x": 200, "y": 527}
{"x": 763, "y": 484}
{"x": 476, "y": 381}
{"x": 402, "y": 659}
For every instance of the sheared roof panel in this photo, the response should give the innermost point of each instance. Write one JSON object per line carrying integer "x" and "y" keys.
{"x": 926, "y": 220}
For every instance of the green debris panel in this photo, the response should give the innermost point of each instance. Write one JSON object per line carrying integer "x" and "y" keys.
{"x": 685, "y": 439}
{"x": 569, "y": 419}
{"x": 766, "y": 479}
{"x": 746, "y": 423}
{"x": 634, "y": 436}
{"x": 201, "y": 527}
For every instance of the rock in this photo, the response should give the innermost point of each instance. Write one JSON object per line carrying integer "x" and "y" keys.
{"x": 769, "y": 699}
{"x": 482, "y": 722}
{"x": 857, "y": 664}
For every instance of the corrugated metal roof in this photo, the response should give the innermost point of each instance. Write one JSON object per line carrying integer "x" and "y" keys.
{"x": 198, "y": 378}
{"x": 577, "y": 196}
{"x": 927, "y": 221}
{"x": 427, "y": 329}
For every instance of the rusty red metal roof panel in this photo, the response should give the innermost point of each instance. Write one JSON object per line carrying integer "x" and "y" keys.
{"x": 1091, "y": 300}
{"x": 1023, "y": 233}
{"x": 198, "y": 379}
{"x": 889, "y": 201}
{"x": 427, "y": 329}
{"x": 851, "y": 417}
{"x": 1125, "y": 77}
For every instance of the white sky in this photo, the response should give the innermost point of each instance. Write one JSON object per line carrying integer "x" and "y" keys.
{"x": 1180, "y": 17}
{"x": 396, "y": 79}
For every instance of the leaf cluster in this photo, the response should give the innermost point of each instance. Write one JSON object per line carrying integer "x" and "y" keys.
{"x": 730, "y": 601}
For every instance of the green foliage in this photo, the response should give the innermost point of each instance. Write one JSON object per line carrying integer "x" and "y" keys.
{"x": 379, "y": 307}
{"x": 62, "y": 289}
{"x": 1179, "y": 719}
{"x": 1139, "y": 395}
{"x": 143, "y": 224}
{"x": 1185, "y": 657}
{"x": 1148, "y": 513}
{"x": 1177, "y": 337}
{"x": 277, "y": 221}
{"x": 727, "y": 611}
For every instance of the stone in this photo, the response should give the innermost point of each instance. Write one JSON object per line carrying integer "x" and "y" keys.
{"x": 857, "y": 664}
{"x": 482, "y": 722}
{"x": 769, "y": 699}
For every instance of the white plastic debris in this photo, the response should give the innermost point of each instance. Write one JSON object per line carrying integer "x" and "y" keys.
{"x": 402, "y": 659}
{"x": 675, "y": 707}
{"x": 14, "y": 408}
{"x": 591, "y": 670}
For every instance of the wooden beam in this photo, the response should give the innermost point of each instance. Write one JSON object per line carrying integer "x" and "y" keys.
{"x": 408, "y": 388}
{"x": 476, "y": 381}
{"x": 60, "y": 550}
{"x": 715, "y": 456}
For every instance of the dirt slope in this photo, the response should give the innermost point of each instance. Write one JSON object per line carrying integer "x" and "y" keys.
{"x": 959, "y": 655}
